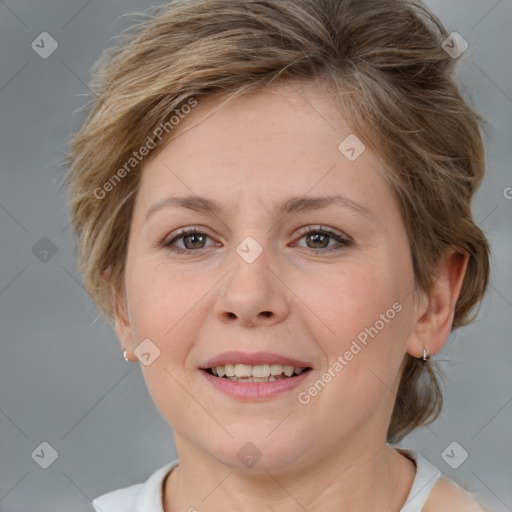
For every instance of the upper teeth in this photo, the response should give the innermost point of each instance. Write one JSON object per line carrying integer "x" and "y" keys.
{"x": 261, "y": 370}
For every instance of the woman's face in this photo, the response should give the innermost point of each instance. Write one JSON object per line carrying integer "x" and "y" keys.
{"x": 253, "y": 280}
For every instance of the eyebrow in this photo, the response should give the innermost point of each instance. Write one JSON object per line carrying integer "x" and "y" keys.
{"x": 291, "y": 205}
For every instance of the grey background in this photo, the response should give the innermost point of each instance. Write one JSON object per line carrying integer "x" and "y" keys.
{"x": 63, "y": 379}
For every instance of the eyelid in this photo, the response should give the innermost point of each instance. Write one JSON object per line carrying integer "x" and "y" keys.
{"x": 184, "y": 231}
{"x": 321, "y": 228}
{"x": 180, "y": 231}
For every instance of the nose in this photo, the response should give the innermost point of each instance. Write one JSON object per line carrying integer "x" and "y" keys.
{"x": 253, "y": 295}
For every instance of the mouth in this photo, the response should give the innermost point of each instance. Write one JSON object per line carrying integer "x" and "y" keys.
{"x": 238, "y": 372}
{"x": 255, "y": 376}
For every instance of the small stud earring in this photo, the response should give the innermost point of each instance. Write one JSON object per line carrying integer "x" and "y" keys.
{"x": 426, "y": 355}
{"x": 124, "y": 355}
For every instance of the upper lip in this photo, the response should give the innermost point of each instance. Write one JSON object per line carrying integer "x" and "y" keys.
{"x": 253, "y": 359}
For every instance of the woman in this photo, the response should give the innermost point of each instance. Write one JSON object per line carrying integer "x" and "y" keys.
{"x": 272, "y": 203}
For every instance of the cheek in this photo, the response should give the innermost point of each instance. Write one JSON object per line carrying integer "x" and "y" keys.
{"x": 365, "y": 311}
{"x": 160, "y": 294}
{"x": 165, "y": 309}
{"x": 161, "y": 305}
{"x": 354, "y": 298}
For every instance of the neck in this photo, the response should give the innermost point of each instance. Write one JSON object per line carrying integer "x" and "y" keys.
{"x": 373, "y": 478}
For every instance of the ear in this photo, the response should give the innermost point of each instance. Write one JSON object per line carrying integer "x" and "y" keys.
{"x": 121, "y": 316}
{"x": 435, "y": 315}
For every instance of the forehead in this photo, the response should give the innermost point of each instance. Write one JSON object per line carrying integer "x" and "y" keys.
{"x": 288, "y": 140}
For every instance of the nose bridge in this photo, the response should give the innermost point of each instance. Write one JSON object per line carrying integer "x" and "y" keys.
{"x": 251, "y": 292}
{"x": 251, "y": 231}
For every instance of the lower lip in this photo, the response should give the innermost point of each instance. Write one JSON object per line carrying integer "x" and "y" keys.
{"x": 255, "y": 390}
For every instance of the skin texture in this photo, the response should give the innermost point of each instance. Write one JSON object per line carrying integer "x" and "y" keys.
{"x": 250, "y": 155}
{"x": 447, "y": 496}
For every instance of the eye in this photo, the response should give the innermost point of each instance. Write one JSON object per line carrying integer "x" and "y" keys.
{"x": 320, "y": 236}
{"x": 194, "y": 239}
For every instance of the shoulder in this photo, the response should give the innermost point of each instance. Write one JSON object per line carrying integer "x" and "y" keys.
{"x": 447, "y": 496}
{"x": 141, "y": 497}
{"x": 120, "y": 499}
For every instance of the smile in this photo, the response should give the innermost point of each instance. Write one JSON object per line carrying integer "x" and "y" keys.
{"x": 238, "y": 372}
{"x": 255, "y": 388}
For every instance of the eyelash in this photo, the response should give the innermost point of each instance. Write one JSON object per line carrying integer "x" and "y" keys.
{"x": 303, "y": 232}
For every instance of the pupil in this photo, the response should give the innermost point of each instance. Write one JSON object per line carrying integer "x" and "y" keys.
{"x": 316, "y": 236}
{"x": 190, "y": 236}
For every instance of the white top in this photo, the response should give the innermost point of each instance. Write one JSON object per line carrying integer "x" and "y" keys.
{"x": 147, "y": 496}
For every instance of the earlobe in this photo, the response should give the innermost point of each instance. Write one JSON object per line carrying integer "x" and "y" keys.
{"x": 434, "y": 322}
{"x": 124, "y": 332}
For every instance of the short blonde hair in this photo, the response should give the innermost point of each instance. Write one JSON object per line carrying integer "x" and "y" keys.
{"x": 387, "y": 70}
